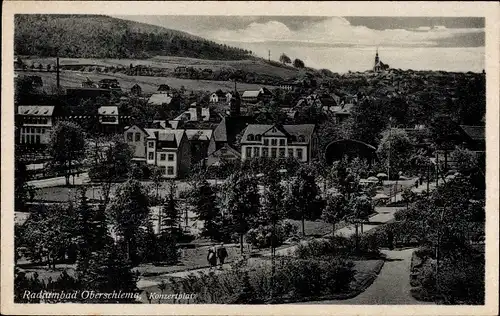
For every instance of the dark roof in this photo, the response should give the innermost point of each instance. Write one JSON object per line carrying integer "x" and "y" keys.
{"x": 230, "y": 127}
{"x": 474, "y": 132}
{"x": 163, "y": 87}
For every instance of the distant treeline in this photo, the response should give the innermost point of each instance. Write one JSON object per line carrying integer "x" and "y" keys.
{"x": 89, "y": 36}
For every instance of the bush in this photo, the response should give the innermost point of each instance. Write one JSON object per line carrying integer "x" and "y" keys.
{"x": 294, "y": 279}
{"x": 260, "y": 237}
{"x": 368, "y": 246}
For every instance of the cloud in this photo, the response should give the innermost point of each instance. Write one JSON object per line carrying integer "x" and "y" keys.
{"x": 337, "y": 31}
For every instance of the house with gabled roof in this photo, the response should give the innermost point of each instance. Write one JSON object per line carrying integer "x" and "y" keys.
{"x": 278, "y": 141}
{"x": 254, "y": 96}
{"x": 168, "y": 149}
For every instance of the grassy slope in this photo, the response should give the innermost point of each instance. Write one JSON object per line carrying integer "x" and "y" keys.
{"x": 148, "y": 84}
{"x": 170, "y": 62}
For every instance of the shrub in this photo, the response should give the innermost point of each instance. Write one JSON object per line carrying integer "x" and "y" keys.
{"x": 368, "y": 246}
{"x": 260, "y": 237}
{"x": 294, "y": 278}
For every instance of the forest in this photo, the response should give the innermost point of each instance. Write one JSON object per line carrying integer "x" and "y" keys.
{"x": 96, "y": 36}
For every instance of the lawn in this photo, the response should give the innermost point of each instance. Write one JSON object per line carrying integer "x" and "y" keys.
{"x": 149, "y": 85}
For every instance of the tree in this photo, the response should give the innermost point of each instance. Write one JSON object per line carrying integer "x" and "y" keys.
{"x": 395, "y": 150}
{"x": 91, "y": 230}
{"x": 110, "y": 270}
{"x": 303, "y": 195}
{"x": 111, "y": 161}
{"x": 240, "y": 202}
{"x": 464, "y": 160}
{"x": 49, "y": 232}
{"x": 297, "y": 63}
{"x": 170, "y": 217}
{"x": 360, "y": 208}
{"x": 66, "y": 147}
{"x": 129, "y": 213}
{"x": 202, "y": 199}
{"x": 335, "y": 210}
{"x": 284, "y": 59}
{"x": 367, "y": 121}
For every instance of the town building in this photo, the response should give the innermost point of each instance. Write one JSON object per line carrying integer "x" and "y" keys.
{"x": 227, "y": 131}
{"x": 163, "y": 88}
{"x": 110, "y": 84}
{"x": 224, "y": 154}
{"x": 166, "y": 148}
{"x": 278, "y": 141}
{"x": 199, "y": 141}
{"x": 108, "y": 118}
{"x": 218, "y": 96}
{"x": 379, "y": 65}
{"x": 254, "y": 96}
{"x": 136, "y": 90}
{"x": 75, "y": 96}
{"x": 195, "y": 113}
{"x": 35, "y": 123}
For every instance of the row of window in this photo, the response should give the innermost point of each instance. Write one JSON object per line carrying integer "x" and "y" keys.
{"x": 130, "y": 137}
{"x": 275, "y": 152}
{"x": 169, "y": 170}
{"x": 33, "y": 130}
{"x": 274, "y": 141}
{"x": 163, "y": 157}
{"x": 30, "y": 139}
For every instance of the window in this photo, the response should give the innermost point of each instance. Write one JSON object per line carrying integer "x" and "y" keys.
{"x": 301, "y": 138}
{"x": 258, "y": 138}
{"x": 137, "y": 137}
{"x": 170, "y": 157}
{"x": 38, "y": 130}
{"x": 290, "y": 152}
{"x": 170, "y": 170}
{"x": 151, "y": 155}
{"x": 37, "y": 139}
{"x": 282, "y": 142}
{"x": 282, "y": 152}
{"x": 23, "y": 139}
{"x": 248, "y": 152}
{"x": 151, "y": 144}
{"x": 250, "y": 137}
{"x": 299, "y": 153}
{"x": 265, "y": 152}
{"x": 163, "y": 169}
{"x": 163, "y": 156}
{"x": 256, "y": 151}
{"x": 130, "y": 137}
{"x": 274, "y": 142}
{"x": 273, "y": 152}
{"x": 266, "y": 141}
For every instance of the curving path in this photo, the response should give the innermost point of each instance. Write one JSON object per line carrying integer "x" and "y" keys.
{"x": 392, "y": 286}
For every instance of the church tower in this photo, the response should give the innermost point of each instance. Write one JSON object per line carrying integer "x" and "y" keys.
{"x": 377, "y": 66}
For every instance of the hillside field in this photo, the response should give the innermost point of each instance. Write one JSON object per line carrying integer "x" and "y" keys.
{"x": 72, "y": 79}
{"x": 171, "y": 62}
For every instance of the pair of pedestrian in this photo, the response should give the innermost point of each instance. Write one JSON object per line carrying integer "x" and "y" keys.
{"x": 214, "y": 254}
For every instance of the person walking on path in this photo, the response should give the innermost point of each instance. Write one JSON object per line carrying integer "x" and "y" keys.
{"x": 221, "y": 254}
{"x": 211, "y": 257}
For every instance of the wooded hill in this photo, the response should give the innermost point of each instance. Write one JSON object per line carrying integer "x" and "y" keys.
{"x": 98, "y": 36}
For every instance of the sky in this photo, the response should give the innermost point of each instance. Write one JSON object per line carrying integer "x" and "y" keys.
{"x": 304, "y": 36}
